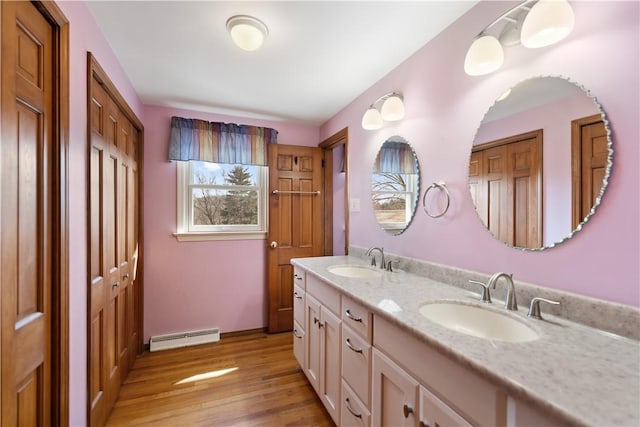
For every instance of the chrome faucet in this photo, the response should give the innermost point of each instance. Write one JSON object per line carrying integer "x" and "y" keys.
{"x": 370, "y": 253}
{"x": 510, "y": 301}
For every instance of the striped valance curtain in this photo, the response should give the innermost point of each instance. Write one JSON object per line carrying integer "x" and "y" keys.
{"x": 395, "y": 157}
{"x": 193, "y": 139}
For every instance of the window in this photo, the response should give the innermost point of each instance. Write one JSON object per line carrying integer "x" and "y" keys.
{"x": 221, "y": 201}
{"x": 394, "y": 199}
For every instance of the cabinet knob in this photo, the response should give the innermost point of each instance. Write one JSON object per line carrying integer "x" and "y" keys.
{"x": 115, "y": 285}
{"x": 125, "y": 276}
{"x": 406, "y": 410}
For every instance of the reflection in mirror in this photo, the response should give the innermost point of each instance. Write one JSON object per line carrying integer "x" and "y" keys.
{"x": 540, "y": 162}
{"x": 395, "y": 185}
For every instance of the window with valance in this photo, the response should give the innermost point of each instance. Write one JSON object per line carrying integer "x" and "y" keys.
{"x": 222, "y": 178}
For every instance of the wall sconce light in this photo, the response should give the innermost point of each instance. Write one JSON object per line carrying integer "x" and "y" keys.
{"x": 543, "y": 24}
{"x": 247, "y": 32}
{"x": 392, "y": 110}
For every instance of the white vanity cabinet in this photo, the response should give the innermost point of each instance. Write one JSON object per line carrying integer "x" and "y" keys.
{"x": 356, "y": 363}
{"x": 322, "y": 343}
{"x": 444, "y": 392}
{"x": 299, "y": 327}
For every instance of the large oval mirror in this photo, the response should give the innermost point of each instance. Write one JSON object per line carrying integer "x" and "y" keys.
{"x": 540, "y": 162}
{"x": 395, "y": 185}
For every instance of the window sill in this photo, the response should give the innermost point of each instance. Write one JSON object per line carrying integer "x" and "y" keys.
{"x": 206, "y": 236}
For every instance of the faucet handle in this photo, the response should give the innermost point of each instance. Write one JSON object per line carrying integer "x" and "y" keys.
{"x": 392, "y": 261}
{"x": 486, "y": 295}
{"x": 373, "y": 260}
{"x": 534, "y": 308}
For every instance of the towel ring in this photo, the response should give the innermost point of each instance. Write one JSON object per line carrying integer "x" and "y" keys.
{"x": 442, "y": 186}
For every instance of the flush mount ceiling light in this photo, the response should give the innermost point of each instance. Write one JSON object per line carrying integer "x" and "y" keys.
{"x": 392, "y": 110}
{"x": 247, "y": 32}
{"x": 532, "y": 23}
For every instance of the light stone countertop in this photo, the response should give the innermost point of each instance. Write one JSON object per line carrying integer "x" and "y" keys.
{"x": 573, "y": 373}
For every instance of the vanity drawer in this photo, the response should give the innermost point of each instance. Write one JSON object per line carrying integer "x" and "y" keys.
{"x": 356, "y": 363}
{"x": 327, "y": 295}
{"x": 298, "y": 304}
{"x": 357, "y": 317}
{"x": 298, "y": 343}
{"x": 299, "y": 277}
{"x": 353, "y": 412}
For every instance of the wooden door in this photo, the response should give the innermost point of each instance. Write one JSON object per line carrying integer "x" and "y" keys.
{"x": 394, "y": 394}
{"x": 27, "y": 246}
{"x": 505, "y": 179}
{"x": 113, "y": 235}
{"x": 590, "y": 156}
{"x": 296, "y": 223}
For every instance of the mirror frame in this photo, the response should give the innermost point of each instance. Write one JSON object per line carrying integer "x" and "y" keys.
{"x": 605, "y": 179}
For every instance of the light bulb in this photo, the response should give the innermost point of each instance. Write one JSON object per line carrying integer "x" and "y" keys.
{"x": 371, "y": 119}
{"x": 392, "y": 108}
{"x": 485, "y": 55}
{"x": 548, "y": 22}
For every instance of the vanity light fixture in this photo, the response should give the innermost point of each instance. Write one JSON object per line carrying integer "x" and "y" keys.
{"x": 247, "y": 32}
{"x": 392, "y": 109}
{"x": 532, "y": 23}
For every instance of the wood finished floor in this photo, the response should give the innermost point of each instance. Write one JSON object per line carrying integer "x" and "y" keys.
{"x": 259, "y": 384}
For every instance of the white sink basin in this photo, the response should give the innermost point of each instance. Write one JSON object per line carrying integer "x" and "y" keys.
{"x": 478, "y": 321}
{"x": 354, "y": 271}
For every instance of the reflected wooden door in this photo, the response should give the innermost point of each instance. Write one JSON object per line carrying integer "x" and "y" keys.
{"x": 505, "y": 179}
{"x": 27, "y": 178}
{"x": 590, "y": 155}
{"x": 296, "y": 223}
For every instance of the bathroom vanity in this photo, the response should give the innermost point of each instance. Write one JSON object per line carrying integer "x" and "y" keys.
{"x": 375, "y": 359}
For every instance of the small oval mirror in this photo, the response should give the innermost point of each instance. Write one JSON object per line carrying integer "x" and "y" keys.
{"x": 540, "y": 162}
{"x": 395, "y": 185}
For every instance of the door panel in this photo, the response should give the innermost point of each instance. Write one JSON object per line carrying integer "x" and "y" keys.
{"x": 26, "y": 215}
{"x": 113, "y": 241}
{"x": 296, "y": 221}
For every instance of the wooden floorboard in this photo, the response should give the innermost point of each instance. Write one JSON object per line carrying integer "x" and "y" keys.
{"x": 245, "y": 380}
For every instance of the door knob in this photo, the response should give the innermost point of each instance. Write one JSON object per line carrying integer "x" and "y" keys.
{"x": 274, "y": 244}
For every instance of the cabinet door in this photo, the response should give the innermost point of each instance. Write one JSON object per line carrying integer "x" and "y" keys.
{"x": 434, "y": 412}
{"x": 298, "y": 343}
{"x": 394, "y": 395}
{"x": 330, "y": 363}
{"x": 312, "y": 341}
{"x": 298, "y": 305}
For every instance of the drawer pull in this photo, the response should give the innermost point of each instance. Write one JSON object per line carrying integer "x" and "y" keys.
{"x": 423, "y": 424}
{"x": 295, "y": 334}
{"x": 347, "y": 403}
{"x": 406, "y": 410}
{"x": 352, "y": 317}
{"x": 351, "y": 347}
{"x": 296, "y": 295}
{"x": 297, "y": 277}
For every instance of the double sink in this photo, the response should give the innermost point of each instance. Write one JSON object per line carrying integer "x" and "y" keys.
{"x": 477, "y": 320}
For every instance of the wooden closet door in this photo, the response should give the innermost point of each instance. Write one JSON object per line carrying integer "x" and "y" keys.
{"x": 113, "y": 243}
{"x": 26, "y": 215}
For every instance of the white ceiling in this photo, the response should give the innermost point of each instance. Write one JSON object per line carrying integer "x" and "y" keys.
{"x": 318, "y": 57}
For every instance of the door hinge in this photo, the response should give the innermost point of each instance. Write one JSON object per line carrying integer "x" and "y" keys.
{"x": 323, "y": 163}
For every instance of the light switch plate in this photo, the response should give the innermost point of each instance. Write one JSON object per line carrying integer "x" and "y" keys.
{"x": 354, "y": 205}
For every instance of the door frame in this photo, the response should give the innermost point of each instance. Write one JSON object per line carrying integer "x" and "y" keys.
{"x": 95, "y": 71}
{"x": 60, "y": 209}
{"x": 340, "y": 138}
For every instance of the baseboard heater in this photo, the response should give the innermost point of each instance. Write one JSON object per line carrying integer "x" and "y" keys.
{"x": 184, "y": 339}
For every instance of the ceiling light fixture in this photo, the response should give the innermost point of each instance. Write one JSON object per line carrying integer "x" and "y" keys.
{"x": 392, "y": 110}
{"x": 543, "y": 24}
{"x": 247, "y": 32}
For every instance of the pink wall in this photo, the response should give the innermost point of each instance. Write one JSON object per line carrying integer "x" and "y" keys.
{"x": 84, "y": 36}
{"x": 555, "y": 121}
{"x": 444, "y": 108}
{"x": 194, "y": 285}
